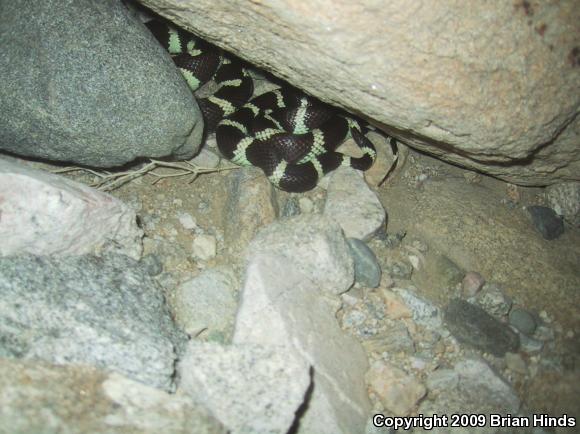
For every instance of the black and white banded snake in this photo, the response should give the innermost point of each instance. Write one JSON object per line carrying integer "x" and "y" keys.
{"x": 290, "y": 136}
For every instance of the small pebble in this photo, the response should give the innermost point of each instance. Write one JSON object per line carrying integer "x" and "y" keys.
{"x": 472, "y": 283}
{"x": 306, "y": 205}
{"x": 530, "y": 345}
{"x": 204, "y": 247}
{"x": 516, "y": 363}
{"x": 523, "y": 321}
{"x": 187, "y": 221}
{"x": 546, "y": 221}
{"x": 400, "y": 270}
{"x": 415, "y": 261}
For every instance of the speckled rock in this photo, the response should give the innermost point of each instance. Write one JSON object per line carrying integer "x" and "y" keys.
{"x": 250, "y": 388}
{"x": 523, "y": 321}
{"x": 564, "y": 198}
{"x": 74, "y": 74}
{"x": 103, "y": 311}
{"x": 46, "y": 214}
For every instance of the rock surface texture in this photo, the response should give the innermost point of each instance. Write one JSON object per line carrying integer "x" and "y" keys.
{"x": 46, "y": 214}
{"x": 494, "y": 86}
{"x": 74, "y": 75}
{"x": 85, "y": 309}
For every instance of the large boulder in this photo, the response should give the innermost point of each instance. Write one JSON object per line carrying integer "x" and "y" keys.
{"x": 85, "y": 82}
{"x": 494, "y": 86}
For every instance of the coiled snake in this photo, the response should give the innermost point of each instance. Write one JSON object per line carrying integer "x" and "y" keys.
{"x": 290, "y": 136}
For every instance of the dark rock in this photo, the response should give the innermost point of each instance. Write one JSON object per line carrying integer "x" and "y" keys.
{"x": 473, "y": 326}
{"x": 547, "y": 222}
{"x": 85, "y": 82}
{"x": 102, "y": 311}
{"x": 367, "y": 270}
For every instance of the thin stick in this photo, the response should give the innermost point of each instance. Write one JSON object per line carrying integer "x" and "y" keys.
{"x": 110, "y": 181}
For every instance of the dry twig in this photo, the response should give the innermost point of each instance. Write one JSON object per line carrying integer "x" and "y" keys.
{"x": 110, "y": 181}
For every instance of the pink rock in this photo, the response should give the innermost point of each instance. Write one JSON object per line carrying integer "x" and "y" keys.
{"x": 46, "y": 214}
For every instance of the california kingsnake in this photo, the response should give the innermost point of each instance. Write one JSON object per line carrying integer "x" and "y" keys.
{"x": 290, "y": 136}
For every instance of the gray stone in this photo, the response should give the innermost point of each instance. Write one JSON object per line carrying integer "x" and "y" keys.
{"x": 207, "y": 304}
{"x": 101, "y": 311}
{"x": 367, "y": 270}
{"x": 282, "y": 305}
{"x": 85, "y": 82}
{"x": 46, "y": 214}
{"x": 249, "y": 207}
{"x": 352, "y": 204}
{"x": 523, "y": 321}
{"x": 250, "y": 388}
{"x": 36, "y": 397}
{"x": 473, "y": 326}
{"x": 427, "y": 89}
{"x": 312, "y": 244}
{"x": 151, "y": 264}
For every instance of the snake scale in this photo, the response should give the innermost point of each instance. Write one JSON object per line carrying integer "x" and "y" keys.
{"x": 289, "y": 135}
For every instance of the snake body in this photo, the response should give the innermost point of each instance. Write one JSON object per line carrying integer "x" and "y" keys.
{"x": 289, "y": 135}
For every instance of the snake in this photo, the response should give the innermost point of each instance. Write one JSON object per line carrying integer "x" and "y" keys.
{"x": 291, "y": 136}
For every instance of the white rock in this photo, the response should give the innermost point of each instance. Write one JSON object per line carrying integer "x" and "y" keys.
{"x": 280, "y": 304}
{"x": 187, "y": 221}
{"x": 312, "y": 244}
{"x": 46, "y": 214}
{"x": 352, "y": 204}
{"x": 249, "y": 388}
